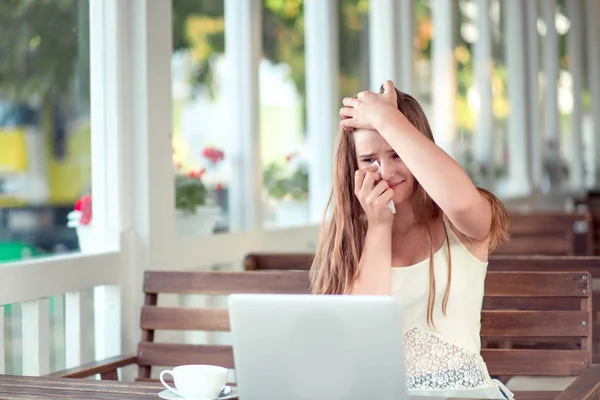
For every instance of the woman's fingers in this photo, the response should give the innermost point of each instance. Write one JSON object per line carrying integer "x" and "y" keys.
{"x": 387, "y": 195}
{"x": 359, "y": 177}
{"x": 379, "y": 188}
{"x": 369, "y": 182}
{"x": 347, "y": 112}
{"x": 349, "y": 102}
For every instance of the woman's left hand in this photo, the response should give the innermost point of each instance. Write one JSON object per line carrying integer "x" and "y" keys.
{"x": 368, "y": 109}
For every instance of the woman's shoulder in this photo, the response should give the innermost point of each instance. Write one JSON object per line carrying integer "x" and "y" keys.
{"x": 479, "y": 249}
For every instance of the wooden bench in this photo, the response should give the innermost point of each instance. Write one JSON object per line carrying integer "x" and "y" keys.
{"x": 558, "y": 263}
{"x": 495, "y": 324}
{"x": 591, "y": 203}
{"x": 278, "y": 261}
{"x": 265, "y": 261}
{"x": 302, "y": 261}
{"x": 549, "y": 233}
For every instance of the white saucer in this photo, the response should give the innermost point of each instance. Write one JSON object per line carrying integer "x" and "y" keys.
{"x": 169, "y": 395}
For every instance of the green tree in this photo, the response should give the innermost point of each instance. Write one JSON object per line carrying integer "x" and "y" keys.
{"x": 39, "y": 47}
{"x": 282, "y": 38}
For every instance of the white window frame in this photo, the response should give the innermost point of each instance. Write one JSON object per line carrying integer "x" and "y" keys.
{"x": 229, "y": 248}
{"x": 31, "y": 282}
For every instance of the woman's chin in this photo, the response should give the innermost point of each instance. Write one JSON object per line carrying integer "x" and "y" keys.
{"x": 399, "y": 198}
{"x": 401, "y": 195}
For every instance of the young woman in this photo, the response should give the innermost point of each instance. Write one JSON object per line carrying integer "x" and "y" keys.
{"x": 431, "y": 255}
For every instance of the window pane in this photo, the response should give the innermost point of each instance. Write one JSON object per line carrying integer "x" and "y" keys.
{"x": 284, "y": 154}
{"x": 353, "y": 41}
{"x": 13, "y": 344}
{"x": 570, "y": 158}
{"x": 44, "y": 125}
{"x": 200, "y": 154}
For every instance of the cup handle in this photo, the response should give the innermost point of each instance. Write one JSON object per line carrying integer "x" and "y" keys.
{"x": 165, "y": 384}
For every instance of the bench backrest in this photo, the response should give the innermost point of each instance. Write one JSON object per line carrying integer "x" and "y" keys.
{"x": 591, "y": 202}
{"x": 153, "y": 317}
{"x": 549, "y": 233}
{"x": 497, "y": 262}
{"x": 278, "y": 261}
{"x": 495, "y": 323}
{"x": 516, "y": 306}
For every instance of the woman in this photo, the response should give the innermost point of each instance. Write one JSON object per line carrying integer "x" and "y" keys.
{"x": 431, "y": 255}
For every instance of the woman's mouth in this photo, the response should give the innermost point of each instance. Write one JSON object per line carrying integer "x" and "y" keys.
{"x": 395, "y": 185}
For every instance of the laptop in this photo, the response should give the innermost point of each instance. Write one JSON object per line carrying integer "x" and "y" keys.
{"x": 311, "y": 347}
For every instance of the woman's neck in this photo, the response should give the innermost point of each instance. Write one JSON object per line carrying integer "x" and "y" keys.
{"x": 404, "y": 219}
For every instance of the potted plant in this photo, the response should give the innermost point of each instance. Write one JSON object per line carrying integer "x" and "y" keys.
{"x": 287, "y": 188}
{"x": 81, "y": 219}
{"x": 196, "y": 210}
{"x": 190, "y": 191}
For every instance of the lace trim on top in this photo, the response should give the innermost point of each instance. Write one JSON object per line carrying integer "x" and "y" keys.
{"x": 434, "y": 364}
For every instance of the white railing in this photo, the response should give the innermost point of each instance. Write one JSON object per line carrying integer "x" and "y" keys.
{"x": 27, "y": 287}
{"x": 2, "y": 356}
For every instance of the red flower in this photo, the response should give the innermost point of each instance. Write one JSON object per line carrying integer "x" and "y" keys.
{"x": 84, "y": 204}
{"x": 219, "y": 186}
{"x": 196, "y": 174}
{"x": 289, "y": 157}
{"x": 213, "y": 154}
{"x": 178, "y": 165}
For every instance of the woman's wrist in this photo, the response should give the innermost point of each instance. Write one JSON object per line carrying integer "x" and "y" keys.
{"x": 389, "y": 118}
{"x": 380, "y": 228}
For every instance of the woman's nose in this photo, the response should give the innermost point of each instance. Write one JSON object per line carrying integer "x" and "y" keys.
{"x": 387, "y": 171}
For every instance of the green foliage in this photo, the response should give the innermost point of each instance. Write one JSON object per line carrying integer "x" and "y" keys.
{"x": 280, "y": 183}
{"x": 190, "y": 192}
{"x": 282, "y": 38}
{"x": 39, "y": 46}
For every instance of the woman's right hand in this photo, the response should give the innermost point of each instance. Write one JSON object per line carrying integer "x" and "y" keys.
{"x": 374, "y": 194}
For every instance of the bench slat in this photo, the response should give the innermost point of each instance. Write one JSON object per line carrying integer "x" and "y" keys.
{"x": 170, "y": 354}
{"x": 493, "y": 322}
{"x": 532, "y": 303}
{"x": 538, "y": 244}
{"x": 537, "y": 284}
{"x": 534, "y": 323}
{"x": 545, "y": 222}
{"x": 224, "y": 283}
{"x": 195, "y": 319}
{"x": 503, "y": 362}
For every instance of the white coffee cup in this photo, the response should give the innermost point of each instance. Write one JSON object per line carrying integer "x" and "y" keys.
{"x": 196, "y": 381}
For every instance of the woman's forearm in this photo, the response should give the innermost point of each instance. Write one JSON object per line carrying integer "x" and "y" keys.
{"x": 440, "y": 175}
{"x": 374, "y": 268}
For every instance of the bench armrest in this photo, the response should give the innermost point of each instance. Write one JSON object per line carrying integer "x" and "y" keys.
{"x": 585, "y": 387}
{"x": 107, "y": 368}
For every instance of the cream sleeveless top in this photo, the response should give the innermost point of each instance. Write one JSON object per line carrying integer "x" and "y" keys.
{"x": 445, "y": 360}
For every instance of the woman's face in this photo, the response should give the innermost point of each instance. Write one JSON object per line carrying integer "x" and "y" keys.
{"x": 370, "y": 147}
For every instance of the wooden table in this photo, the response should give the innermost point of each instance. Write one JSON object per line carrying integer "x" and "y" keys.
{"x": 27, "y": 387}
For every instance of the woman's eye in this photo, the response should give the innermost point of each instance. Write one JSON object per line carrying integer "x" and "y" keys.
{"x": 368, "y": 160}
{"x": 396, "y": 155}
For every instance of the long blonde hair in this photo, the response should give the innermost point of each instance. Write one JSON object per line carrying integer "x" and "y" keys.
{"x": 335, "y": 266}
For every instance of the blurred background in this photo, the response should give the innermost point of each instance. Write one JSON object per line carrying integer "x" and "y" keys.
{"x": 201, "y": 130}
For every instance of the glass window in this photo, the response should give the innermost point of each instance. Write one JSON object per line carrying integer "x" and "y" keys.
{"x": 200, "y": 157}
{"x": 423, "y": 40}
{"x": 569, "y": 156}
{"x": 45, "y": 152}
{"x": 284, "y": 154}
{"x": 472, "y": 145}
{"x": 354, "y": 46}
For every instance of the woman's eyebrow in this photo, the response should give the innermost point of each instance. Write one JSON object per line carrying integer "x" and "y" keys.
{"x": 369, "y": 155}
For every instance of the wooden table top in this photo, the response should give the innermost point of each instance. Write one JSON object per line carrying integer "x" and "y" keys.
{"x": 29, "y": 387}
